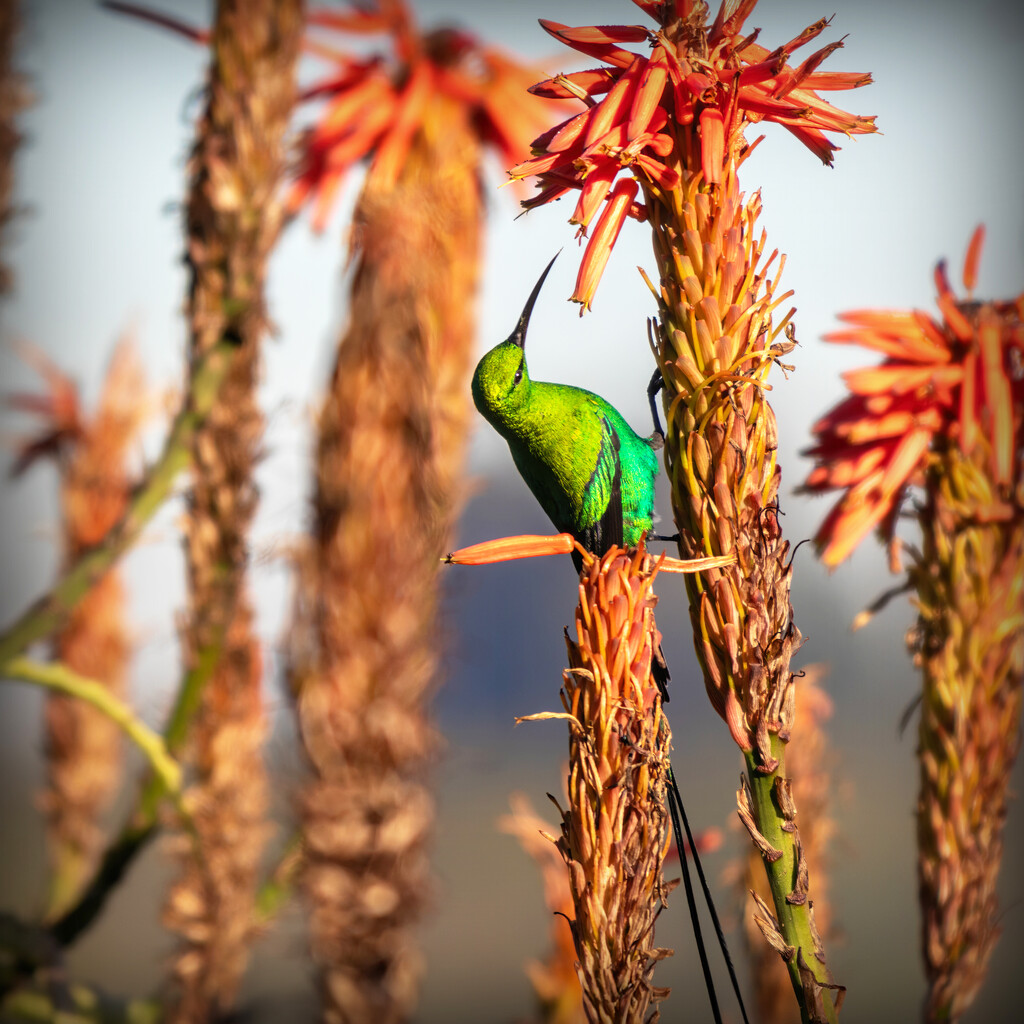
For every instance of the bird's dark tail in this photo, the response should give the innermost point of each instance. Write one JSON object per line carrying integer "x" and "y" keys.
{"x": 678, "y": 814}
{"x": 680, "y": 824}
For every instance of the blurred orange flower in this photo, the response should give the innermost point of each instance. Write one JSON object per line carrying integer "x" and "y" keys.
{"x": 683, "y": 106}
{"x": 376, "y": 102}
{"x": 942, "y": 384}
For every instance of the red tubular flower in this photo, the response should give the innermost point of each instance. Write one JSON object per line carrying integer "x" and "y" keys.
{"x": 375, "y": 104}
{"x": 640, "y": 109}
{"x": 945, "y": 383}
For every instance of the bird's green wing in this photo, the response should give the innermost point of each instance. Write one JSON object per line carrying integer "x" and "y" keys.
{"x": 602, "y": 496}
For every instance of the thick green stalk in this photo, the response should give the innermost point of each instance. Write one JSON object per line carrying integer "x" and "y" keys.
{"x": 792, "y": 931}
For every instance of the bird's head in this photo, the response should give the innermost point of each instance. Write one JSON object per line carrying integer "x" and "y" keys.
{"x": 501, "y": 382}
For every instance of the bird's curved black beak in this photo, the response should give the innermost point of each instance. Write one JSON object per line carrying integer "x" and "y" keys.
{"x": 518, "y": 336}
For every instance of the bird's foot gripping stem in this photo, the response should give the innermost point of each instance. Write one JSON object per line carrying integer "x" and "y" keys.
{"x": 656, "y": 384}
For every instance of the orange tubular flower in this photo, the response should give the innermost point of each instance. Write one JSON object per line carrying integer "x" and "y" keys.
{"x": 948, "y": 383}
{"x": 637, "y": 104}
{"x": 375, "y": 103}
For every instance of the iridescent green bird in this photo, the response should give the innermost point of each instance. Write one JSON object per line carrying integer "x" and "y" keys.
{"x": 592, "y": 474}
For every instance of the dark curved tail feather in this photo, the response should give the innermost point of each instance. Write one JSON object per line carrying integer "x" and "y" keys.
{"x": 678, "y": 813}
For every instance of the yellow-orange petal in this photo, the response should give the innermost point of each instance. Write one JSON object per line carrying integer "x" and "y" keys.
{"x": 601, "y": 34}
{"x": 599, "y": 248}
{"x": 905, "y": 461}
{"x": 712, "y": 144}
{"x": 507, "y": 549}
{"x": 598, "y": 183}
{"x": 615, "y": 107}
{"x": 395, "y": 142}
{"x": 680, "y": 565}
{"x": 576, "y": 84}
{"x": 649, "y": 92}
{"x": 998, "y": 395}
{"x": 610, "y": 53}
{"x": 896, "y": 380}
{"x": 973, "y": 258}
{"x": 969, "y": 404}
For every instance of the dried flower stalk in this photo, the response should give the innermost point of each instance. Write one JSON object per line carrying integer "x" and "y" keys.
{"x": 945, "y": 413}
{"x": 969, "y": 644}
{"x": 83, "y": 746}
{"x": 390, "y": 437}
{"x": 389, "y": 454}
{"x": 13, "y": 98}
{"x": 555, "y": 981}
{"x": 614, "y": 836}
{"x": 233, "y": 219}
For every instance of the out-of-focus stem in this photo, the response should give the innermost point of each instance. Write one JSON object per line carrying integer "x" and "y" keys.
{"x": 279, "y": 888}
{"x": 49, "y": 611}
{"x": 46, "y": 615}
{"x": 141, "y": 823}
{"x": 12, "y": 99}
{"x": 64, "y": 680}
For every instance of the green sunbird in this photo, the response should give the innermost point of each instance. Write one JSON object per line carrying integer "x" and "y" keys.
{"x": 592, "y": 474}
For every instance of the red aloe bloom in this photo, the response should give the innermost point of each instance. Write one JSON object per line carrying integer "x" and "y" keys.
{"x": 376, "y": 103}
{"x": 944, "y": 383}
{"x": 682, "y": 106}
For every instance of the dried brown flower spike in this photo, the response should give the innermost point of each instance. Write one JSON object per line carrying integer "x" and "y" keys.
{"x": 233, "y": 220}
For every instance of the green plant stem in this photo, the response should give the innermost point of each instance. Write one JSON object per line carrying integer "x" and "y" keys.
{"x": 793, "y": 919}
{"x": 46, "y": 614}
{"x": 142, "y": 821}
{"x": 278, "y": 888}
{"x": 44, "y": 1003}
{"x": 57, "y": 676}
{"x": 208, "y": 373}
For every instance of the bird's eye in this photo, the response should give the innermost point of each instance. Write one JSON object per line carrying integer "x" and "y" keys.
{"x": 519, "y": 375}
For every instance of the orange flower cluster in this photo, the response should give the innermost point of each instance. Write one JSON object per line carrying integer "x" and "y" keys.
{"x": 376, "y": 103}
{"x": 942, "y": 384}
{"x": 711, "y": 77}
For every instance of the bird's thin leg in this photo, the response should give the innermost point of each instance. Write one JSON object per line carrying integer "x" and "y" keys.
{"x": 656, "y": 384}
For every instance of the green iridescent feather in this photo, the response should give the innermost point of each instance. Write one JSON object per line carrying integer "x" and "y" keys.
{"x": 590, "y": 471}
